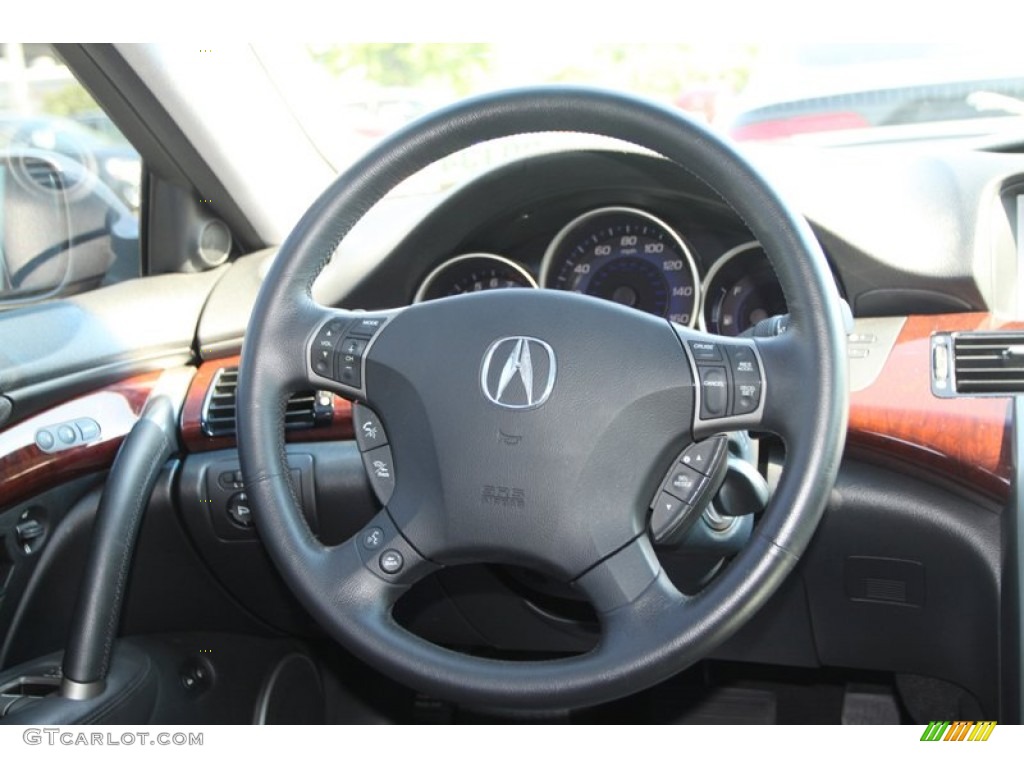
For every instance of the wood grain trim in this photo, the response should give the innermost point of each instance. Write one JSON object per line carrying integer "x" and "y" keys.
{"x": 964, "y": 440}
{"x": 196, "y": 441}
{"x": 25, "y": 469}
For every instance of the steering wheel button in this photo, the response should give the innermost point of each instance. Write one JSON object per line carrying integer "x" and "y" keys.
{"x": 391, "y": 561}
{"x": 353, "y": 347}
{"x": 667, "y": 517}
{"x": 714, "y": 392}
{"x": 685, "y": 483}
{"x": 350, "y": 374}
{"x": 327, "y": 338}
{"x": 703, "y": 456}
{"x": 366, "y": 326}
{"x": 704, "y": 351}
{"x": 369, "y": 431}
{"x": 373, "y": 538}
{"x": 746, "y": 380}
{"x": 747, "y": 398}
{"x": 744, "y": 364}
{"x": 66, "y": 434}
{"x": 380, "y": 468}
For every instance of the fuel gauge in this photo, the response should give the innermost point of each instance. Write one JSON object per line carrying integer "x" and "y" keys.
{"x": 740, "y": 290}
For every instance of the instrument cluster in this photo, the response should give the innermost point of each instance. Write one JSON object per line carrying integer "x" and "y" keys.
{"x": 630, "y": 256}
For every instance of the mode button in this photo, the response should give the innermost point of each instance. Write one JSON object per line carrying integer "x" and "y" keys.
{"x": 366, "y": 327}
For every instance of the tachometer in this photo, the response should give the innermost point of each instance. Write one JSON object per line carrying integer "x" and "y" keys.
{"x": 627, "y": 256}
{"x": 473, "y": 272}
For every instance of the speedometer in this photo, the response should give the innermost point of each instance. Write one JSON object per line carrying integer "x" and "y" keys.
{"x": 627, "y": 256}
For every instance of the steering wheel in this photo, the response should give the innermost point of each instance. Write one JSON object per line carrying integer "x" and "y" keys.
{"x": 533, "y": 427}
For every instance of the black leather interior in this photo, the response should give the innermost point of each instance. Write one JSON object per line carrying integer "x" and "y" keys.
{"x": 125, "y": 498}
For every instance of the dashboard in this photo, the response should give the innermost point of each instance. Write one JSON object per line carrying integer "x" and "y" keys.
{"x": 924, "y": 483}
{"x": 566, "y": 221}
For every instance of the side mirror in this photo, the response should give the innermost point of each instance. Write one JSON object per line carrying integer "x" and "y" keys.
{"x": 57, "y": 226}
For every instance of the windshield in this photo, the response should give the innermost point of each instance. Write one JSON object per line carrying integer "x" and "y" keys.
{"x": 351, "y": 95}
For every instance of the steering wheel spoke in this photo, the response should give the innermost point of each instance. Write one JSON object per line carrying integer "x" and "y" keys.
{"x": 336, "y": 343}
{"x": 790, "y": 375}
{"x": 755, "y": 384}
{"x": 730, "y": 383}
{"x": 619, "y": 581}
{"x": 375, "y": 566}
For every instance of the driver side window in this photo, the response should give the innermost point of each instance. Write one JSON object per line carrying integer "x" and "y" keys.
{"x": 70, "y": 184}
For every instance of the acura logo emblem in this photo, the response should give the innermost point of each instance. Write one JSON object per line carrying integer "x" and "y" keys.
{"x": 518, "y": 372}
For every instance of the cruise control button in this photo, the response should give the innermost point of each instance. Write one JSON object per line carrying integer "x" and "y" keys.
{"x": 714, "y": 393}
{"x": 748, "y": 396}
{"x": 369, "y": 431}
{"x": 366, "y": 326}
{"x": 743, "y": 361}
{"x": 704, "y": 351}
{"x": 685, "y": 483}
{"x": 703, "y": 456}
{"x": 746, "y": 379}
{"x": 66, "y": 434}
{"x": 381, "y": 470}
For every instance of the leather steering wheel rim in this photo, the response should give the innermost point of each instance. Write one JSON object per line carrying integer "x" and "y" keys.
{"x": 649, "y": 630}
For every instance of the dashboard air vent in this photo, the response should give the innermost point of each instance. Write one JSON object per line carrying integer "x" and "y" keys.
{"x": 43, "y": 173}
{"x": 304, "y": 409}
{"x": 978, "y": 364}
